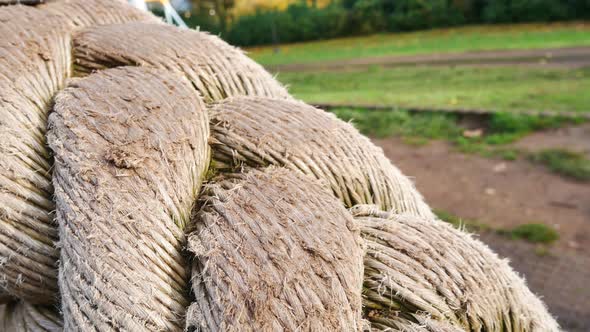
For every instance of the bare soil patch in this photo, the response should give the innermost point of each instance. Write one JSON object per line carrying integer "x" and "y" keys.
{"x": 576, "y": 138}
{"x": 497, "y": 193}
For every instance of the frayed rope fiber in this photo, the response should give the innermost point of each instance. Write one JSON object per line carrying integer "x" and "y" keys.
{"x": 416, "y": 267}
{"x": 154, "y": 178}
{"x": 274, "y": 251}
{"x": 216, "y": 69}
{"x": 23, "y": 316}
{"x": 258, "y": 131}
{"x": 130, "y": 153}
{"x": 35, "y": 60}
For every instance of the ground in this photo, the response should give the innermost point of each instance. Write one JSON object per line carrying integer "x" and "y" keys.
{"x": 514, "y": 68}
{"x": 574, "y": 137}
{"x": 539, "y": 58}
{"x": 440, "y": 41}
{"x": 488, "y": 88}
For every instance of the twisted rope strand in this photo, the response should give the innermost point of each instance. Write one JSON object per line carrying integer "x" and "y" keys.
{"x": 257, "y": 131}
{"x": 216, "y": 69}
{"x": 131, "y": 150}
{"x": 35, "y": 58}
{"x": 274, "y": 251}
{"x": 422, "y": 267}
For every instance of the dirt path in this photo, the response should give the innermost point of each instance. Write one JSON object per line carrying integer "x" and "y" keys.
{"x": 505, "y": 194}
{"x": 494, "y": 192}
{"x": 567, "y": 58}
{"x": 574, "y": 138}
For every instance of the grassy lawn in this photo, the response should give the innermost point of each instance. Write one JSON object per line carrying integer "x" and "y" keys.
{"x": 499, "y": 130}
{"x": 499, "y": 88}
{"x": 462, "y": 39}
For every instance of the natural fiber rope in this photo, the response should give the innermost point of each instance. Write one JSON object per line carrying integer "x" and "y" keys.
{"x": 86, "y": 13}
{"x": 21, "y": 2}
{"x": 420, "y": 323}
{"x": 34, "y": 63}
{"x": 130, "y": 152}
{"x": 257, "y": 131}
{"x": 22, "y": 316}
{"x": 415, "y": 266}
{"x": 216, "y": 69}
{"x": 274, "y": 252}
{"x": 272, "y": 248}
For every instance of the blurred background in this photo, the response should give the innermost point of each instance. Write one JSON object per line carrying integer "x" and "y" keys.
{"x": 484, "y": 103}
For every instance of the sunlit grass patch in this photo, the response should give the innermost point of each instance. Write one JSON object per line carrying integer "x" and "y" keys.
{"x": 449, "y": 40}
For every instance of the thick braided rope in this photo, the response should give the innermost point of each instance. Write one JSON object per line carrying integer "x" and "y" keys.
{"x": 257, "y": 131}
{"x": 216, "y": 69}
{"x": 22, "y": 316}
{"x": 122, "y": 207}
{"x": 416, "y": 266}
{"x": 419, "y": 323}
{"x": 274, "y": 251}
{"x": 34, "y": 63}
{"x": 21, "y": 2}
{"x": 130, "y": 153}
{"x": 85, "y": 13}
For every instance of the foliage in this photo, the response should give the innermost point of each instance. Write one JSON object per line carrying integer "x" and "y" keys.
{"x": 245, "y": 7}
{"x": 568, "y": 163}
{"x": 299, "y": 22}
{"x": 500, "y": 11}
{"x": 305, "y": 20}
{"x": 211, "y": 15}
{"x": 416, "y": 15}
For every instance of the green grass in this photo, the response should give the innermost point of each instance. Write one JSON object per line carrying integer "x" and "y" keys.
{"x": 535, "y": 233}
{"x": 564, "y": 162}
{"x": 419, "y": 128}
{"x": 503, "y": 89}
{"x": 501, "y": 128}
{"x": 401, "y": 123}
{"x": 524, "y": 36}
{"x": 506, "y": 128}
{"x": 532, "y": 232}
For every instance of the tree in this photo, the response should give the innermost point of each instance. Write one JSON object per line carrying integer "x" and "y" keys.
{"x": 217, "y": 11}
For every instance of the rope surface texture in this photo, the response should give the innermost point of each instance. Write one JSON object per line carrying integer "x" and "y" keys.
{"x": 154, "y": 178}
